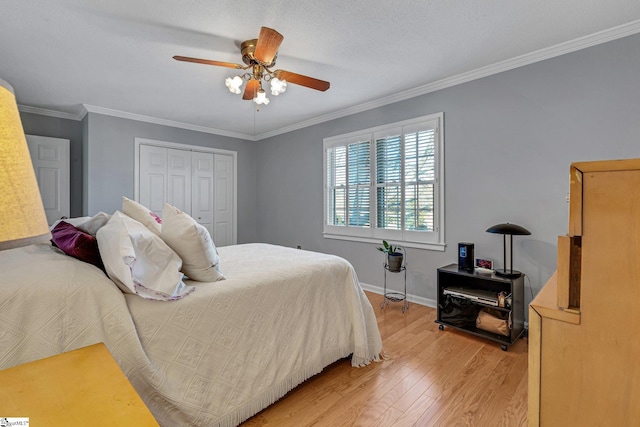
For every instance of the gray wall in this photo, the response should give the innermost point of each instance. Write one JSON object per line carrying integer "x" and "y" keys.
{"x": 109, "y": 164}
{"x": 509, "y": 141}
{"x": 35, "y": 124}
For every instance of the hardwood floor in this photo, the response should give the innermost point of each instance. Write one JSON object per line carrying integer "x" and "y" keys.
{"x": 429, "y": 378}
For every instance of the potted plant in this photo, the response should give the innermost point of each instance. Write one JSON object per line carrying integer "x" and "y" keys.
{"x": 394, "y": 257}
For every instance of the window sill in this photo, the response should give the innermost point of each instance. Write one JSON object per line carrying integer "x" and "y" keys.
{"x": 428, "y": 246}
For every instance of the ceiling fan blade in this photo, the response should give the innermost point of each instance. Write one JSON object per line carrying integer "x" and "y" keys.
{"x": 301, "y": 80}
{"x": 208, "y": 62}
{"x": 251, "y": 90}
{"x": 268, "y": 43}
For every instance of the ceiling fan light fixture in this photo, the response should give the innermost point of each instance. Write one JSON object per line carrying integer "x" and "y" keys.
{"x": 261, "y": 97}
{"x": 233, "y": 84}
{"x": 259, "y": 56}
{"x": 278, "y": 86}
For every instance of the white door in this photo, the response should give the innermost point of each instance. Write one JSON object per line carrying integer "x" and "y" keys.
{"x": 153, "y": 176}
{"x": 179, "y": 179}
{"x": 202, "y": 190}
{"x": 165, "y": 176}
{"x": 223, "y": 200}
{"x": 50, "y": 158}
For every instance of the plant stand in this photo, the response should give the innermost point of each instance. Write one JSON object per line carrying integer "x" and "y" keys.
{"x": 395, "y": 296}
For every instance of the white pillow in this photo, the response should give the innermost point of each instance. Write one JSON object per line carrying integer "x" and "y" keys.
{"x": 141, "y": 214}
{"x": 193, "y": 243}
{"x": 139, "y": 262}
{"x": 94, "y": 223}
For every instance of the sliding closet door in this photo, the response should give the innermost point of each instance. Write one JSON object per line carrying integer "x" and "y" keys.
{"x": 165, "y": 177}
{"x": 202, "y": 189}
{"x": 179, "y": 179}
{"x": 223, "y": 200}
{"x": 153, "y": 177}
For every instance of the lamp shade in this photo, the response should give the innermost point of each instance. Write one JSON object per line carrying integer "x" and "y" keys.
{"x": 22, "y": 218}
{"x": 507, "y": 228}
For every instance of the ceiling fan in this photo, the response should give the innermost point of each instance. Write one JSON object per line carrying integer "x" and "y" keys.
{"x": 259, "y": 55}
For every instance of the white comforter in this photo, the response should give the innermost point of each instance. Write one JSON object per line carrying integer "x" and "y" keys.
{"x": 51, "y": 303}
{"x": 214, "y": 358}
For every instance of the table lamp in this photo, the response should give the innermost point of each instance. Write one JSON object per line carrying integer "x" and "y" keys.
{"x": 22, "y": 218}
{"x": 508, "y": 229}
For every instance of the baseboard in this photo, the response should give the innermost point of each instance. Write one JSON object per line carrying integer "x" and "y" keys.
{"x": 411, "y": 298}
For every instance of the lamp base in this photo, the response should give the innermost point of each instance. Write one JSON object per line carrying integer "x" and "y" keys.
{"x": 508, "y": 273}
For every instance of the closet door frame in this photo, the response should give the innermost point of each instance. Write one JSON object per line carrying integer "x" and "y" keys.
{"x": 196, "y": 148}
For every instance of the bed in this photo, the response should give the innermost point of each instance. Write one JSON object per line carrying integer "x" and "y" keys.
{"x": 215, "y": 357}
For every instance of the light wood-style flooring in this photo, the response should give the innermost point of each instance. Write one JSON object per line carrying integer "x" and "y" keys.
{"x": 429, "y": 378}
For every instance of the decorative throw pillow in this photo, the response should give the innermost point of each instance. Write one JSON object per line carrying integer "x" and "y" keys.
{"x": 139, "y": 262}
{"x": 94, "y": 223}
{"x": 193, "y": 243}
{"x": 76, "y": 243}
{"x": 141, "y": 214}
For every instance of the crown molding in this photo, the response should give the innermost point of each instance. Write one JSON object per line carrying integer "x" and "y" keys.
{"x": 594, "y": 39}
{"x": 51, "y": 113}
{"x": 164, "y": 122}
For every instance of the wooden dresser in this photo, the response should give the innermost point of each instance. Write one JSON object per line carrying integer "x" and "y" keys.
{"x": 584, "y": 325}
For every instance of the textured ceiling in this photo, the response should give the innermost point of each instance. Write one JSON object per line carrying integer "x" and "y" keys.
{"x": 115, "y": 57}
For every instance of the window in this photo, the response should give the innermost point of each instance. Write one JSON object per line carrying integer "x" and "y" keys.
{"x": 387, "y": 183}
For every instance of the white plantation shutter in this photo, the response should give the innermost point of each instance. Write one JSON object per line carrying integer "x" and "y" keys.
{"x": 336, "y": 173}
{"x": 419, "y": 179}
{"x": 386, "y": 183}
{"x": 359, "y": 184}
{"x": 389, "y": 181}
{"x": 348, "y": 186}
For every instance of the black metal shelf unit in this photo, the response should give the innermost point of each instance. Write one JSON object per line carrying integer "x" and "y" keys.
{"x": 451, "y": 277}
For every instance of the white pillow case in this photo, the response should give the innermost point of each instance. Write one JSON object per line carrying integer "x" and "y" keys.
{"x": 141, "y": 214}
{"x": 193, "y": 243}
{"x": 88, "y": 224}
{"x": 139, "y": 262}
{"x": 94, "y": 223}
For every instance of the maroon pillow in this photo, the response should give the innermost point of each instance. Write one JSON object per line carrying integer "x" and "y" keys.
{"x": 77, "y": 243}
